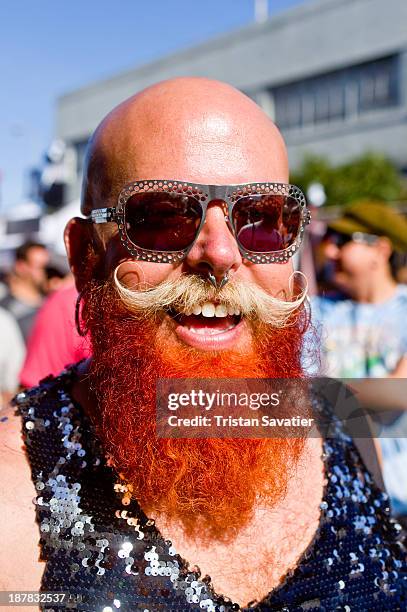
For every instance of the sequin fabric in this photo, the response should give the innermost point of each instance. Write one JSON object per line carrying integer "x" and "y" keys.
{"x": 101, "y": 548}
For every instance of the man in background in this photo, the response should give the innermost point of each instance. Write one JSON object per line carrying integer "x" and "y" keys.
{"x": 364, "y": 334}
{"x": 26, "y": 285}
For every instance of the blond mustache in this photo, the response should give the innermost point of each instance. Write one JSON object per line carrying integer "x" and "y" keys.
{"x": 190, "y": 290}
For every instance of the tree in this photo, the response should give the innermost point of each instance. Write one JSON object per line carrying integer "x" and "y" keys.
{"x": 370, "y": 176}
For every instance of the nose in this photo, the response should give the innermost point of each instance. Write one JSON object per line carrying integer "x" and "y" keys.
{"x": 215, "y": 249}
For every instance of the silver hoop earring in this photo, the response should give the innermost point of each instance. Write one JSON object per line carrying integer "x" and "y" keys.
{"x": 80, "y": 331}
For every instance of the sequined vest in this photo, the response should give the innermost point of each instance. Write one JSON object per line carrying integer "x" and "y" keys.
{"x": 111, "y": 557}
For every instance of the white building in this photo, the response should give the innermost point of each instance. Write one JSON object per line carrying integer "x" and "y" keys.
{"x": 332, "y": 73}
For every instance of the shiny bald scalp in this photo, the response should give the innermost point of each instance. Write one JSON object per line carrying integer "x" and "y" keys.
{"x": 202, "y": 130}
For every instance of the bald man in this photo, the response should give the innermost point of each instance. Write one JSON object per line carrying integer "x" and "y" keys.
{"x": 176, "y": 281}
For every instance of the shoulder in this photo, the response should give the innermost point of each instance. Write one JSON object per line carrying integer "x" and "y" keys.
{"x": 18, "y": 529}
{"x": 20, "y": 461}
{"x": 56, "y": 316}
{"x": 5, "y": 317}
{"x": 8, "y": 324}
{"x": 395, "y": 312}
{"x": 327, "y": 310}
{"x": 400, "y": 297}
{"x": 348, "y": 420}
{"x": 39, "y": 405}
{"x": 61, "y": 299}
{"x": 11, "y": 345}
{"x": 10, "y": 432}
{"x": 325, "y": 303}
{"x": 14, "y": 466}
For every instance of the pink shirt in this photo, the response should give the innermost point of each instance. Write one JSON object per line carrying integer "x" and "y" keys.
{"x": 54, "y": 341}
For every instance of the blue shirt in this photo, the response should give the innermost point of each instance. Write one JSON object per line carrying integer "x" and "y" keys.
{"x": 368, "y": 340}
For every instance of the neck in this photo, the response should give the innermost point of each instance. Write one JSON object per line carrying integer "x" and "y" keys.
{"x": 380, "y": 288}
{"x": 24, "y": 291}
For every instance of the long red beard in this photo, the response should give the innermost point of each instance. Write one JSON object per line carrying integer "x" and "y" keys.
{"x": 206, "y": 484}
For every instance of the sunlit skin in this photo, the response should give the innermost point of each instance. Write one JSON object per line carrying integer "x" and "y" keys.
{"x": 362, "y": 271}
{"x": 216, "y": 141}
{"x": 27, "y": 280}
{"x": 33, "y": 268}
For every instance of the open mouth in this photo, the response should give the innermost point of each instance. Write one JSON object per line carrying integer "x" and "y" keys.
{"x": 208, "y": 319}
{"x": 210, "y": 326}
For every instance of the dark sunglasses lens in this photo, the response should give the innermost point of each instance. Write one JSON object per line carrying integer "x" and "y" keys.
{"x": 162, "y": 221}
{"x": 266, "y": 223}
{"x": 337, "y": 238}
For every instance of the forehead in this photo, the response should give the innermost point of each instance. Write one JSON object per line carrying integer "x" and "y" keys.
{"x": 209, "y": 149}
{"x": 221, "y": 139}
{"x": 37, "y": 254}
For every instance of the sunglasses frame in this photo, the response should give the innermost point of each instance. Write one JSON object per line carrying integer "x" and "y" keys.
{"x": 358, "y": 237}
{"x": 204, "y": 194}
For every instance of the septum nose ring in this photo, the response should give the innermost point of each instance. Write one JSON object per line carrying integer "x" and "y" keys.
{"x": 215, "y": 283}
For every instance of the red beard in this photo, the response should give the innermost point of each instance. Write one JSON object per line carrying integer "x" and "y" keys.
{"x": 213, "y": 483}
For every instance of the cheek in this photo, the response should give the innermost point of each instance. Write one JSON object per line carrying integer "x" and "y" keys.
{"x": 273, "y": 278}
{"x": 356, "y": 258}
{"x": 132, "y": 274}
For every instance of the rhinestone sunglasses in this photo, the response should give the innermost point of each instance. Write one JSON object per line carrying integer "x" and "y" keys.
{"x": 160, "y": 220}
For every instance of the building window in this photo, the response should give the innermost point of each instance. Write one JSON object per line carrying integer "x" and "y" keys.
{"x": 338, "y": 94}
{"x": 80, "y": 150}
{"x": 378, "y": 85}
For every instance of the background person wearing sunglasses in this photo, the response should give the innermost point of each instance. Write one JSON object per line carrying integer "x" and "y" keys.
{"x": 169, "y": 288}
{"x": 364, "y": 331}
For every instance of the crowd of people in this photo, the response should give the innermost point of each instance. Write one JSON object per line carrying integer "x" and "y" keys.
{"x": 37, "y": 305}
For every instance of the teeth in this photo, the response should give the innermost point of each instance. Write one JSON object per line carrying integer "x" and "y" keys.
{"x": 208, "y": 310}
{"x": 221, "y": 310}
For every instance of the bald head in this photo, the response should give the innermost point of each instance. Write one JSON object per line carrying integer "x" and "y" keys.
{"x": 189, "y": 129}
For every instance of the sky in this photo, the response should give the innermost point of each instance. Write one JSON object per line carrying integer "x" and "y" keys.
{"x": 48, "y": 48}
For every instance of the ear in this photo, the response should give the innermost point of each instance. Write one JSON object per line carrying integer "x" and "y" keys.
{"x": 385, "y": 247}
{"x": 80, "y": 247}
